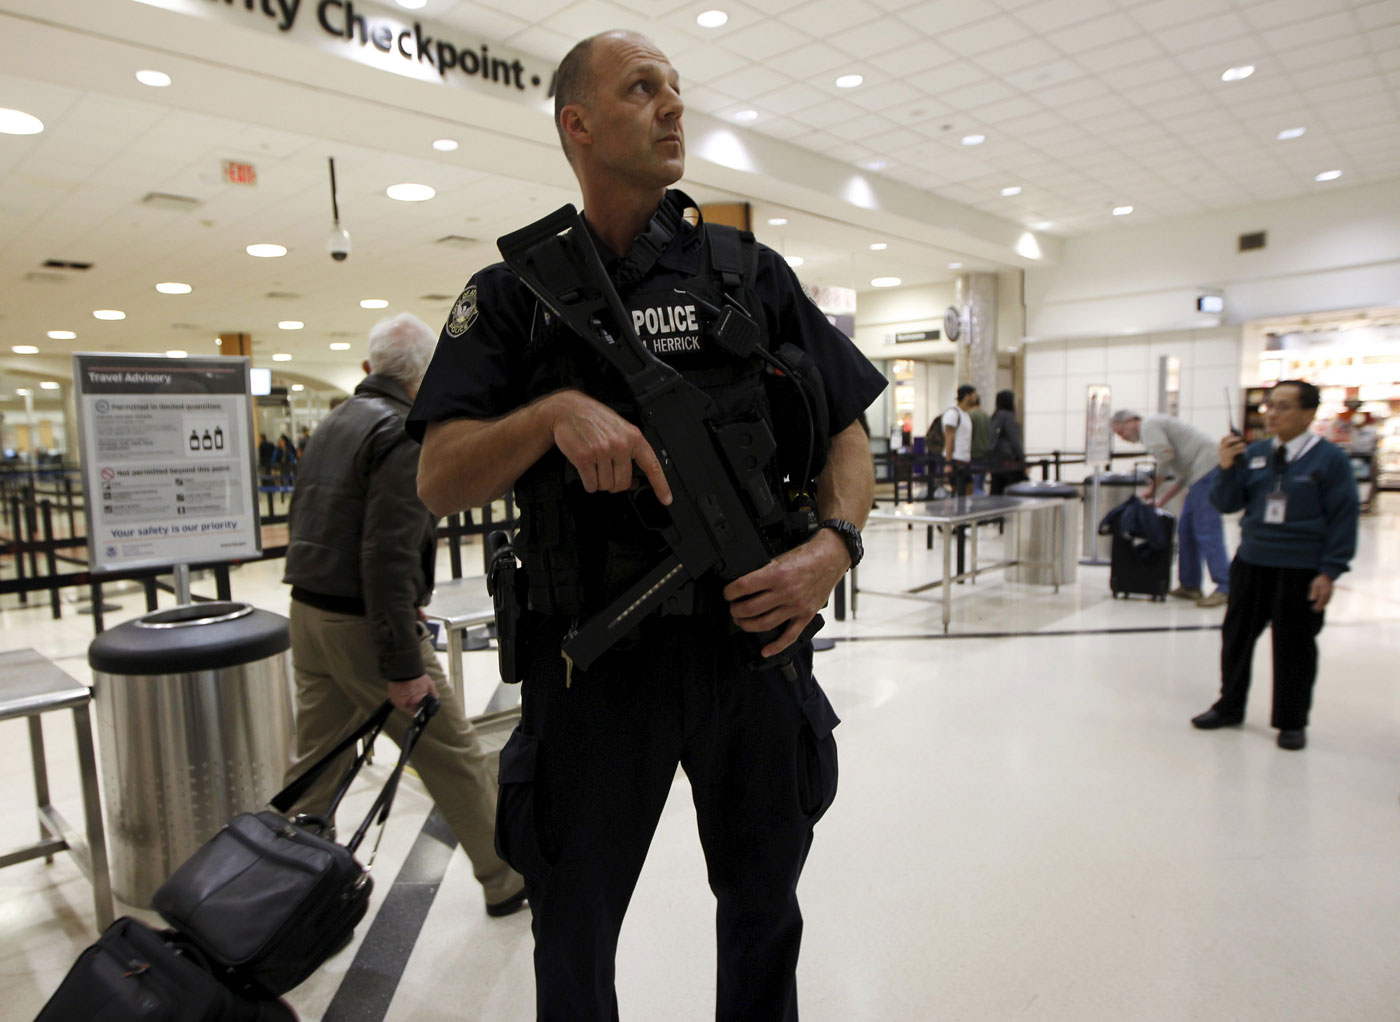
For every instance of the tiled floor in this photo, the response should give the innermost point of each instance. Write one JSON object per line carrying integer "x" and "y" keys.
{"x": 1027, "y": 826}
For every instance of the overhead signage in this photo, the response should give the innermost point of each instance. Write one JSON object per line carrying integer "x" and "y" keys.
{"x": 236, "y": 173}
{"x": 381, "y": 37}
{"x": 168, "y": 460}
{"x": 910, "y": 336}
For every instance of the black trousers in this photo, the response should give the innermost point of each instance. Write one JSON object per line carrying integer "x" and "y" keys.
{"x": 1277, "y": 597}
{"x": 584, "y": 779}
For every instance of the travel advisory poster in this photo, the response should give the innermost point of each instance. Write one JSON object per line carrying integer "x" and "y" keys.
{"x": 168, "y": 460}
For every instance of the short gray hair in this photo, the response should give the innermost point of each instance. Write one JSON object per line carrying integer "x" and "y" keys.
{"x": 1124, "y": 415}
{"x": 400, "y": 347}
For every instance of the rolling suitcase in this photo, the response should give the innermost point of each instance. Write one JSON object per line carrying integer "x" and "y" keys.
{"x": 136, "y": 973}
{"x": 1137, "y": 570}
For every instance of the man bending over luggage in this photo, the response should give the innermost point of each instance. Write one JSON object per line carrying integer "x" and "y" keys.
{"x": 360, "y": 561}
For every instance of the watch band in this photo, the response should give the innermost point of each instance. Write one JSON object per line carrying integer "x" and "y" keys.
{"x": 850, "y": 535}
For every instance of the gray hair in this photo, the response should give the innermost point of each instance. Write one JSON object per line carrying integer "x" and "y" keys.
{"x": 1124, "y": 415}
{"x": 400, "y": 347}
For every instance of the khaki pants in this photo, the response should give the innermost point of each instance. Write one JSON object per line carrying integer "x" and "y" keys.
{"x": 339, "y": 685}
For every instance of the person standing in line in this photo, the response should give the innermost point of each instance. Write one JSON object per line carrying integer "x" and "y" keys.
{"x": 360, "y": 560}
{"x": 957, "y": 440}
{"x": 1189, "y": 454}
{"x": 1299, "y": 498}
{"x": 981, "y": 444}
{"x": 1007, "y": 456}
{"x": 515, "y": 399}
{"x": 266, "y": 450}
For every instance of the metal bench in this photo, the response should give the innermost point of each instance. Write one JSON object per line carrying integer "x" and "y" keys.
{"x": 30, "y": 685}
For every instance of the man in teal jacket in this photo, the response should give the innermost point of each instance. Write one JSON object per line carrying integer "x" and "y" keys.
{"x": 1298, "y": 534}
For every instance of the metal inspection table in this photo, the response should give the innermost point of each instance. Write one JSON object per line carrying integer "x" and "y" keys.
{"x": 947, "y": 516}
{"x": 461, "y": 604}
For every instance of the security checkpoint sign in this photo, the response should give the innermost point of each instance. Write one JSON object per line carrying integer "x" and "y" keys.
{"x": 168, "y": 460}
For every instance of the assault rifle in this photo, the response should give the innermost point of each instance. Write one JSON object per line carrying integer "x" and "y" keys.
{"x": 721, "y": 500}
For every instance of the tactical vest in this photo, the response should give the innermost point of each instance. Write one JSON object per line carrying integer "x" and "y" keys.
{"x": 581, "y": 549}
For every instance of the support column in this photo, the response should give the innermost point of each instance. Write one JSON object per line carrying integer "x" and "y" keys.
{"x": 734, "y": 214}
{"x": 975, "y": 359}
{"x": 236, "y": 344}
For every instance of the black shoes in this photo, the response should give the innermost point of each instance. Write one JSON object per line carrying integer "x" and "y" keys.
{"x": 510, "y": 906}
{"x": 1213, "y": 718}
{"x": 1293, "y": 740}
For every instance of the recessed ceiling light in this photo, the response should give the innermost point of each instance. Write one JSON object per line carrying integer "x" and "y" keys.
{"x": 1044, "y": 225}
{"x": 1287, "y": 133}
{"x": 711, "y": 19}
{"x": 155, "y": 79}
{"x": 746, "y": 116}
{"x": 108, "y": 314}
{"x": 281, "y": 356}
{"x": 777, "y": 221}
{"x": 17, "y": 122}
{"x": 875, "y": 165}
{"x": 885, "y": 282}
{"x": 171, "y": 287}
{"x": 290, "y": 324}
{"x": 445, "y": 145}
{"x": 48, "y": 384}
{"x": 298, "y": 386}
{"x": 1328, "y": 175}
{"x": 973, "y": 139}
{"x": 266, "y": 251}
{"x": 1237, "y": 74}
{"x": 339, "y": 346}
{"x": 794, "y": 261}
{"x": 1122, "y": 210}
{"x": 374, "y": 303}
{"x": 878, "y": 246}
{"x": 177, "y": 353}
{"x": 410, "y": 192}
{"x": 849, "y": 81}
{"x": 1011, "y": 190}
{"x": 62, "y": 335}
{"x": 412, "y": 5}
{"x": 24, "y": 349}
{"x": 24, "y": 391}
{"x": 955, "y": 266}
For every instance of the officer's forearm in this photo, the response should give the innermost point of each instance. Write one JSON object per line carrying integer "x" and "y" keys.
{"x": 470, "y": 462}
{"x": 847, "y": 483}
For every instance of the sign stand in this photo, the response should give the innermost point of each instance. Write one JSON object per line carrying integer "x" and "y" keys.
{"x": 1098, "y": 451}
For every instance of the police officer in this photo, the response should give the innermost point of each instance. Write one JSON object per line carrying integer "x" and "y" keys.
{"x": 1298, "y": 534}
{"x": 512, "y": 399}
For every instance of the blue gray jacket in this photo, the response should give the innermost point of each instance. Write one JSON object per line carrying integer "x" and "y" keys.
{"x": 1319, "y": 531}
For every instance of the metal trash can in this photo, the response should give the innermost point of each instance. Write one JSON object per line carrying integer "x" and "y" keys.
{"x": 1030, "y": 537}
{"x": 194, "y": 718}
{"x": 1114, "y": 488}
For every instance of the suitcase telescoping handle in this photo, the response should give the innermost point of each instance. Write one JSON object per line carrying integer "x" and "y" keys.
{"x": 369, "y": 731}
{"x": 385, "y": 800}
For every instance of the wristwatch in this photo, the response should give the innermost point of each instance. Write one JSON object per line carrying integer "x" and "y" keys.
{"x": 849, "y": 534}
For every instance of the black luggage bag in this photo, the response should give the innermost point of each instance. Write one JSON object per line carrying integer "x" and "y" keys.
{"x": 268, "y": 899}
{"x": 136, "y": 974}
{"x": 1135, "y": 569}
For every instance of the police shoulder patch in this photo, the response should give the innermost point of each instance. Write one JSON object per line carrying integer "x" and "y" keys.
{"x": 463, "y": 313}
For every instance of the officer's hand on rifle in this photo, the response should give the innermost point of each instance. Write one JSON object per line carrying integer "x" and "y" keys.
{"x": 789, "y": 589}
{"x": 603, "y": 446}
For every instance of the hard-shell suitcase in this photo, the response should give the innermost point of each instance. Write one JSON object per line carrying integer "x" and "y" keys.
{"x": 136, "y": 973}
{"x": 1136, "y": 570}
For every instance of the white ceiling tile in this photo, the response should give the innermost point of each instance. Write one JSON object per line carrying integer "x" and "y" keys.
{"x": 760, "y": 42}
{"x": 1378, "y": 15}
{"x": 915, "y": 57}
{"x": 1166, "y": 91}
{"x": 936, "y": 17}
{"x": 873, "y": 36}
{"x": 887, "y": 97}
{"x": 790, "y": 98}
{"x": 1347, "y": 48}
{"x": 862, "y": 127}
{"x": 490, "y": 22}
{"x": 1214, "y": 58}
{"x": 529, "y": 10}
{"x": 1143, "y": 72}
{"x": 709, "y": 100}
{"x": 705, "y": 63}
{"x": 829, "y": 18}
{"x": 1314, "y": 30}
{"x": 1139, "y": 49}
{"x": 1196, "y": 30}
{"x": 1309, "y": 78}
{"x": 1160, "y": 14}
{"x": 1018, "y": 56}
{"x": 1093, "y": 34}
{"x": 1008, "y": 109}
{"x": 970, "y": 97}
{"x": 942, "y": 79}
{"x": 1045, "y": 76}
{"x": 982, "y": 36}
{"x": 542, "y": 42}
{"x": 583, "y": 18}
{"x": 1077, "y": 91}
{"x": 816, "y": 63}
{"x": 1044, "y": 16}
{"x": 828, "y": 112}
{"x": 1382, "y": 39}
{"x": 751, "y": 80}
{"x": 780, "y": 127}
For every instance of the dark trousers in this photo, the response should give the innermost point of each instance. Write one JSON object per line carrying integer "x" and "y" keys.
{"x": 960, "y": 478}
{"x": 584, "y": 779}
{"x": 1278, "y": 597}
{"x": 1001, "y": 480}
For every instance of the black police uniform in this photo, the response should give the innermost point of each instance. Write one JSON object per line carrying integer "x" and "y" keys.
{"x": 585, "y": 776}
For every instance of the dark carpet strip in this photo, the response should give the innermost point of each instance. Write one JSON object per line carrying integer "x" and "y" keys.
{"x": 369, "y": 985}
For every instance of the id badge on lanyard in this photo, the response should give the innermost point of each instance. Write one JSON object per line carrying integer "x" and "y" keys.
{"x": 1276, "y": 503}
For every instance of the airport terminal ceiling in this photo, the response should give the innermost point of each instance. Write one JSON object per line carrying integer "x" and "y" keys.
{"x": 1082, "y": 106}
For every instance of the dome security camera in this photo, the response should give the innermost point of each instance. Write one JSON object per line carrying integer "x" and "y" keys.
{"x": 338, "y": 244}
